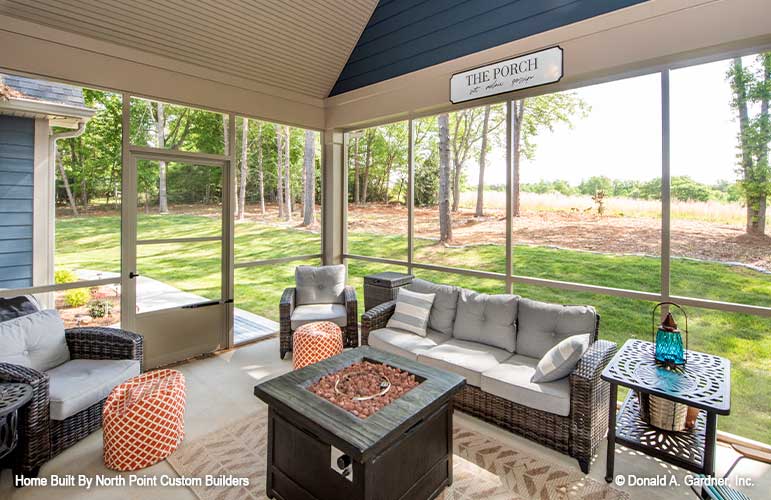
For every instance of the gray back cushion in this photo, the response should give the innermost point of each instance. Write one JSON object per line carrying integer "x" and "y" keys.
{"x": 442, "y": 317}
{"x": 320, "y": 285}
{"x": 488, "y": 319}
{"x": 36, "y": 341}
{"x": 542, "y": 325}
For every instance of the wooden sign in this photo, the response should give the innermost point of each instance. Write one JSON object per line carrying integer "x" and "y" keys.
{"x": 523, "y": 72}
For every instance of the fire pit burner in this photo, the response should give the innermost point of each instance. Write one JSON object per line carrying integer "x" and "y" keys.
{"x": 365, "y": 387}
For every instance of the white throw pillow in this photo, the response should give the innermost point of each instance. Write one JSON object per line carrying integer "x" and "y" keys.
{"x": 561, "y": 359}
{"x": 412, "y": 311}
{"x": 36, "y": 341}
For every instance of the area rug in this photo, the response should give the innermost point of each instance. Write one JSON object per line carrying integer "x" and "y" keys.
{"x": 482, "y": 468}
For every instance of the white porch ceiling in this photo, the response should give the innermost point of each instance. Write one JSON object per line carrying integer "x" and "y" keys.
{"x": 290, "y": 44}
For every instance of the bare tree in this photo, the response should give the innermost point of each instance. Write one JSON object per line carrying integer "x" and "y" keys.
{"x": 465, "y": 135}
{"x": 445, "y": 215}
{"x": 356, "y": 197}
{"x": 260, "y": 176}
{"x": 244, "y": 168}
{"x": 226, "y": 142}
{"x": 160, "y": 130}
{"x": 288, "y": 171}
{"x": 370, "y": 133}
{"x": 517, "y": 115}
{"x": 482, "y": 160}
{"x": 66, "y": 182}
{"x": 309, "y": 185}
{"x": 280, "y": 168}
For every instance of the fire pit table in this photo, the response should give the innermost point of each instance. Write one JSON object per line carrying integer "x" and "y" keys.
{"x": 364, "y": 424}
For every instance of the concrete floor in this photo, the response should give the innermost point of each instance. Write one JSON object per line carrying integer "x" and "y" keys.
{"x": 219, "y": 391}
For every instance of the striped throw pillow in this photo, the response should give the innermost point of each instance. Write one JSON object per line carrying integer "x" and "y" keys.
{"x": 561, "y": 359}
{"x": 412, "y": 310}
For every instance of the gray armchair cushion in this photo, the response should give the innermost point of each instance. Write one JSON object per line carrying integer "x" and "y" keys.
{"x": 404, "y": 343}
{"x": 80, "y": 383}
{"x": 320, "y": 285}
{"x": 468, "y": 359}
{"x": 36, "y": 341}
{"x": 442, "y": 317}
{"x": 511, "y": 380}
{"x": 488, "y": 319}
{"x": 541, "y": 326}
{"x": 311, "y": 313}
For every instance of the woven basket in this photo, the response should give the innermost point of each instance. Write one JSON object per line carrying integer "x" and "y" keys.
{"x": 663, "y": 413}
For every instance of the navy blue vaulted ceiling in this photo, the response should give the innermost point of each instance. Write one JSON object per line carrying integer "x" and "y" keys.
{"x": 407, "y": 35}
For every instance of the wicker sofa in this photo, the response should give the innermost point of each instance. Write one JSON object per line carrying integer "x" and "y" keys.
{"x": 569, "y": 415}
{"x": 55, "y": 418}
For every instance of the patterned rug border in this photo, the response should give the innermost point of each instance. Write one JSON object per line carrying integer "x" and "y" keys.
{"x": 483, "y": 469}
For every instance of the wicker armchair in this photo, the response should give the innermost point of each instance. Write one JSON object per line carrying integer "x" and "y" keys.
{"x": 41, "y": 438}
{"x": 286, "y": 308}
{"x": 578, "y": 435}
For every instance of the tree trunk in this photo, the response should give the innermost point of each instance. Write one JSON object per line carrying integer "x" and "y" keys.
{"x": 244, "y": 168}
{"x": 445, "y": 215}
{"x": 517, "y": 115}
{"x": 260, "y": 176}
{"x": 367, "y": 165}
{"x": 356, "y": 197}
{"x": 226, "y": 143}
{"x": 160, "y": 129}
{"x": 288, "y": 170}
{"x": 482, "y": 160}
{"x": 309, "y": 196}
{"x": 65, "y": 181}
{"x": 280, "y": 173}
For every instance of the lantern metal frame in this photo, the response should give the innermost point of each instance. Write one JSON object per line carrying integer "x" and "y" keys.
{"x": 653, "y": 327}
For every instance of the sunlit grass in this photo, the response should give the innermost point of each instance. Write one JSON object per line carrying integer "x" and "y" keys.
{"x": 94, "y": 243}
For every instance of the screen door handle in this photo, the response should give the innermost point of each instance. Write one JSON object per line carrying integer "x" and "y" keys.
{"x": 133, "y": 275}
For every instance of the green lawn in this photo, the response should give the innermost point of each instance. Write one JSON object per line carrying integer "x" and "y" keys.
{"x": 93, "y": 243}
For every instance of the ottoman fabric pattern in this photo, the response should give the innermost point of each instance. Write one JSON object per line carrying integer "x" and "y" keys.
{"x": 313, "y": 342}
{"x": 144, "y": 420}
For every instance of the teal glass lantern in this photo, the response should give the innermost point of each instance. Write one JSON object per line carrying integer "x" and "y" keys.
{"x": 669, "y": 340}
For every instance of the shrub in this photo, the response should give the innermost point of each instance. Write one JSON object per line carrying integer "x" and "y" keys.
{"x": 64, "y": 276}
{"x": 76, "y": 298}
{"x": 99, "y": 308}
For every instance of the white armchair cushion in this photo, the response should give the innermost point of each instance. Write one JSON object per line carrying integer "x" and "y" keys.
{"x": 36, "y": 341}
{"x": 80, "y": 383}
{"x": 311, "y": 313}
{"x": 320, "y": 285}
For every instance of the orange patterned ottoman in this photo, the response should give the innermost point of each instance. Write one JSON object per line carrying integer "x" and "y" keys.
{"x": 313, "y": 342}
{"x": 144, "y": 420}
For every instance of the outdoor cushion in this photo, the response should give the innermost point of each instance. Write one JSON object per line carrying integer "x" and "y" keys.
{"x": 80, "y": 383}
{"x": 511, "y": 380}
{"x": 320, "y": 285}
{"x": 442, "y": 315}
{"x": 488, "y": 319}
{"x": 468, "y": 359}
{"x": 36, "y": 341}
{"x": 318, "y": 312}
{"x": 561, "y": 359}
{"x": 411, "y": 311}
{"x": 541, "y": 326}
{"x": 404, "y": 343}
{"x": 14, "y": 307}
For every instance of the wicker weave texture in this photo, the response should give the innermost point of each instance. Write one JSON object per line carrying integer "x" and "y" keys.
{"x": 41, "y": 438}
{"x": 578, "y": 435}
{"x": 286, "y": 308}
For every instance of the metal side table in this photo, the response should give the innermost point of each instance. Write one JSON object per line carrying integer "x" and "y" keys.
{"x": 704, "y": 382}
{"x": 12, "y": 397}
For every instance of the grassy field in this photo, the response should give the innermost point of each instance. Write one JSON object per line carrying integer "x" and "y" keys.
{"x": 93, "y": 243}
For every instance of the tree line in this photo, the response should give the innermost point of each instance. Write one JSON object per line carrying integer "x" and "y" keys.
{"x": 275, "y": 164}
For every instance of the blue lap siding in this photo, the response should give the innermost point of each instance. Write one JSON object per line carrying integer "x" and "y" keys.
{"x": 407, "y": 35}
{"x": 17, "y": 149}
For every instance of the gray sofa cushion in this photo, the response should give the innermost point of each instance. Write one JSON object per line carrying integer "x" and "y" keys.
{"x": 541, "y": 326}
{"x": 511, "y": 380}
{"x": 319, "y": 285}
{"x": 468, "y": 359}
{"x": 311, "y": 313}
{"x": 36, "y": 341}
{"x": 404, "y": 343}
{"x": 80, "y": 383}
{"x": 562, "y": 358}
{"x": 488, "y": 319}
{"x": 442, "y": 317}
